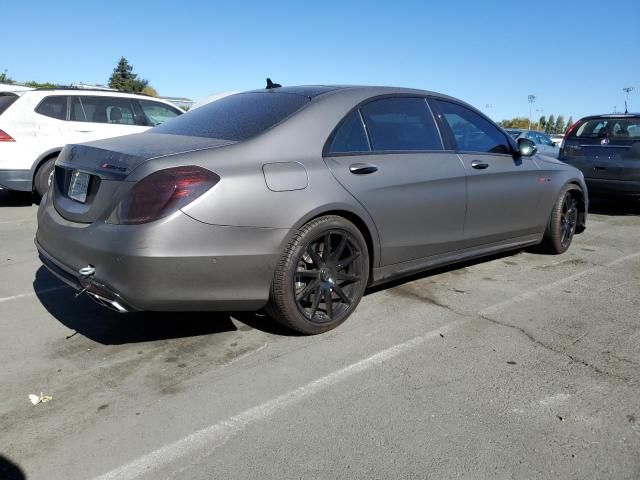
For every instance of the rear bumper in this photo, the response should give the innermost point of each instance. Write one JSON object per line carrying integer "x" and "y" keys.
{"x": 19, "y": 180}
{"x": 176, "y": 264}
{"x": 613, "y": 187}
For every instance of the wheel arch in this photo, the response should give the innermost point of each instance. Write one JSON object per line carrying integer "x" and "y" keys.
{"x": 48, "y": 155}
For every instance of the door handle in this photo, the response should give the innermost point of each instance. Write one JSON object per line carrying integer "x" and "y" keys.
{"x": 479, "y": 165}
{"x": 362, "y": 168}
{"x": 84, "y": 131}
{"x": 598, "y": 167}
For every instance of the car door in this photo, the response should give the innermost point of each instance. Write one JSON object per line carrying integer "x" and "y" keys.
{"x": 389, "y": 154}
{"x": 502, "y": 189}
{"x": 93, "y": 117}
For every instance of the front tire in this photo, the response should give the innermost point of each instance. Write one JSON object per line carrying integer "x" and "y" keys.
{"x": 320, "y": 277}
{"x": 44, "y": 177}
{"x": 563, "y": 222}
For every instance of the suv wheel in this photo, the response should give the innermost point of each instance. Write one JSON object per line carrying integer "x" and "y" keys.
{"x": 44, "y": 177}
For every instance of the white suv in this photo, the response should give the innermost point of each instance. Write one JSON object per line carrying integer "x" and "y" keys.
{"x": 36, "y": 124}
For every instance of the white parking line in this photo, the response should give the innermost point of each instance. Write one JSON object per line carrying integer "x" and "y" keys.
{"x": 31, "y": 294}
{"x": 219, "y": 433}
{"x": 553, "y": 285}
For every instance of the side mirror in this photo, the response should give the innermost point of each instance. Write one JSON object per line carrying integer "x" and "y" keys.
{"x": 526, "y": 147}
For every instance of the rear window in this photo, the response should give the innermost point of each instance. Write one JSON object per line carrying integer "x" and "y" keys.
{"x": 237, "y": 117}
{"x": 6, "y": 100}
{"x": 613, "y": 129}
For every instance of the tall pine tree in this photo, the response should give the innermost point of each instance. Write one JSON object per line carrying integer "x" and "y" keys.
{"x": 560, "y": 124}
{"x": 124, "y": 80}
{"x": 550, "y": 125}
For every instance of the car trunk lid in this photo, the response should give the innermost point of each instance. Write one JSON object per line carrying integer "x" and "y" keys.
{"x": 90, "y": 177}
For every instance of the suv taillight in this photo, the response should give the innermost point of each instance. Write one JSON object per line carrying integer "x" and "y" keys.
{"x": 5, "y": 137}
{"x": 162, "y": 193}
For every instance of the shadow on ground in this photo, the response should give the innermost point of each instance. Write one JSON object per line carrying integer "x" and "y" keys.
{"x": 15, "y": 199}
{"x": 9, "y": 470}
{"x": 614, "y": 206}
{"x": 108, "y": 327}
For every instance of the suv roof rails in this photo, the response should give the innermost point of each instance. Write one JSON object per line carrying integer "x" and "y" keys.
{"x": 85, "y": 89}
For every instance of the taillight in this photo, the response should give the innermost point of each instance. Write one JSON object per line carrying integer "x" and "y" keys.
{"x": 162, "y": 193}
{"x": 567, "y": 133}
{"x": 5, "y": 137}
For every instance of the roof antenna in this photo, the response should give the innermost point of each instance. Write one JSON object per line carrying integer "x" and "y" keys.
{"x": 271, "y": 85}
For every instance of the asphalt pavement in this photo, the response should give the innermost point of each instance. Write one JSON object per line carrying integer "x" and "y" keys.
{"x": 518, "y": 366}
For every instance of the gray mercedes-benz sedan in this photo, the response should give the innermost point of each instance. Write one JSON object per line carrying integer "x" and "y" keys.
{"x": 297, "y": 199}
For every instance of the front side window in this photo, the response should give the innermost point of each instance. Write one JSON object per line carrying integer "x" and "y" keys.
{"x": 472, "y": 132}
{"x": 350, "y": 136}
{"x": 54, "y": 106}
{"x": 156, "y": 113}
{"x": 95, "y": 109}
{"x": 401, "y": 124}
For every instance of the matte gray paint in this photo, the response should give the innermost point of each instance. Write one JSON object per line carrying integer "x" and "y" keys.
{"x": 415, "y": 208}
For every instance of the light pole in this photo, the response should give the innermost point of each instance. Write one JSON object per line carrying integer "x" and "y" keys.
{"x": 531, "y": 98}
{"x": 627, "y": 90}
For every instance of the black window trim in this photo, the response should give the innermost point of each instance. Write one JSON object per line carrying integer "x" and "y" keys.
{"x": 327, "y": 144}
{"x": 451, "y": 142}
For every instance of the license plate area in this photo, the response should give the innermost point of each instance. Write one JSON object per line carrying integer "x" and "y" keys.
{"x": 79, "y": 186}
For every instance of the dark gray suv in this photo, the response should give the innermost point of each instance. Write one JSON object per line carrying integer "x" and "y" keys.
{"x": 607, "y": 150}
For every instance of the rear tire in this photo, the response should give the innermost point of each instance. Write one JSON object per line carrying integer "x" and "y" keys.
{"x": 562, "y": 222}
{"x": 44, "y": 176}
{"x": 321, "y": 276}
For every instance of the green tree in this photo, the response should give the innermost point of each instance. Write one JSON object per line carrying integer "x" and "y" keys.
{"x": 551, "y": 125}
{"x": 5, "y": 78}
{"x": 149, "y": 90}
{"x": 560, "y": 124}
{"x": 569, "y": 123}
{"x": 542, "y": 123}
{"x": 124, "y": 80}
{"x": 34, "y": 84}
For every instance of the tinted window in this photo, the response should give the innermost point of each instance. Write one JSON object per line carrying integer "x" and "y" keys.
{"x": 615, "y": 129}
{"x": 472, "y": 132}
{"x": 156, "y": 113}
{"x": 543, "y": 139}
{"x": 6, "y": 100}
{"x": 114, "y": 110}
{"x": 54, "y": 107}
{"x": 401, "y": 124}
{"x": 236, "y": 117}
{"x": 350, "y": 136}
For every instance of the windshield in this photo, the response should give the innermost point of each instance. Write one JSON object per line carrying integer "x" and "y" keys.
{"x": 614, "y": 129}
{"x": 6, "y": 100}
{"x": 237, "y": 117}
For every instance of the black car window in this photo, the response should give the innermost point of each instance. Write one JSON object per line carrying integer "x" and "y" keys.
{"x": 156, "y": 113}
{"x": 54, "y": 106}
{"x": 544, "y": 140}
{"x": 472, "y": 132}
{"x": 401, "y": 124}
{"x": 102, "y": 109}
{"x": 6, "y": 100}
{"x": 236, "y": 117}
{"x": 350, "y": 136}
{"x": 615, "y": 129}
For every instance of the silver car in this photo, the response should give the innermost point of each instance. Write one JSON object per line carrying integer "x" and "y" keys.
{"x": 297, "y": 199}
{"x": 544, "y": 143}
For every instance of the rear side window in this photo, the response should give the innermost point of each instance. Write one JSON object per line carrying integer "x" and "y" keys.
{"x": 236, "y": 117}
{"x": 95, "y": 109}
{"x": 350, "y": 136}
{"x": 472, "y": 133}
{"x": 401, "y": 124}
{"x": 54, "y": 107}
{"x": 614, "y": 129}
{"x": 6, "y": 100}
{"x": 156, "y": 113}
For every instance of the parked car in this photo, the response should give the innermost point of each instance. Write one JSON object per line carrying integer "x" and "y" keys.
{"x": 607, "y": 150}
{"x": 557, "y": 138}
{"x": 36, "y": 124}
{"x": 297, "y": 199}
{"x": 543, "y": 142}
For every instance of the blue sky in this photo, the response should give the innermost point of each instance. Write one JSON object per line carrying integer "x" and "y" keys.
{"x": 575, "y": 59}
